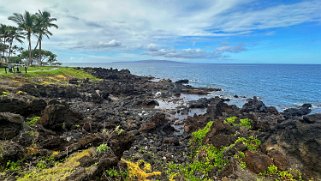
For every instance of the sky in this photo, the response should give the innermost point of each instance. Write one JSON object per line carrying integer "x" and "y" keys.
{"x": 201, "y": 31}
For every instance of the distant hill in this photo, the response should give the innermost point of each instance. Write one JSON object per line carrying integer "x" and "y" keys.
{"x": 153, "y": 61}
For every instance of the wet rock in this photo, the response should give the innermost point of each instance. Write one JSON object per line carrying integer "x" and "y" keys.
{"x": 257, "y": 162}
{"x": 254, "y": 105}
{"x": 59, "y": 117}
{"x": 184, "y": 81}
{"x": 10, "y": 125}
{"x": 201, "y": 103}
{"x": 10, "y": 151}
{"x": 301, "y": 111}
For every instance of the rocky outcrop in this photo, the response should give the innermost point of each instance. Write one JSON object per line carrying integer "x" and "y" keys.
{"x": 10, "y": 151}
{"x": 156, "y": 121}
{"x": 257, "y": 162}
{"x": 301, "y": 111}
{"x": 254, "y": 105}
{"x": 10, "y": 125}
{"x": 21, "y": 105}
{"x": 59, "y": 117}
{"x": 305, "y": 134}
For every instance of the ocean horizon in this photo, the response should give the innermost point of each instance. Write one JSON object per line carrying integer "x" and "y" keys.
{"x": 279, "y": 85}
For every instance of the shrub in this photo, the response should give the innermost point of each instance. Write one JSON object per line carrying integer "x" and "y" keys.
{"x": 32, "y": 121}
{"x": 246, "y": 122}
{"x": 102, "y": 148}
{"x": 199, "y": 135}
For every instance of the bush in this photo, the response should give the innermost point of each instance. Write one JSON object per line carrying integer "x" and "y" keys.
{"x": 102, "y": 148}
{"x": 199, "y": 135}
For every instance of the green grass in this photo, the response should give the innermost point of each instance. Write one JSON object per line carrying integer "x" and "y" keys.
{"x": 48, "y": 75}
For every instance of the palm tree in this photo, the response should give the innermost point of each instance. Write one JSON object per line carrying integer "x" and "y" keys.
{"x": 13, "y": 34}
{"x": 3, "y": 38}
{"x": 44, "y": 21}
{"x": 26, "y": 22}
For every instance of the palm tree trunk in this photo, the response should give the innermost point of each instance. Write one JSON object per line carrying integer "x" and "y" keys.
{"x": 29, "y": 48}
{"x": 10, "y": 47}
{"x": 40, "y": 56}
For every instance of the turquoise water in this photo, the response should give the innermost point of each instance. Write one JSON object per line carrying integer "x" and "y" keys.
{"x": 277, "y": 85}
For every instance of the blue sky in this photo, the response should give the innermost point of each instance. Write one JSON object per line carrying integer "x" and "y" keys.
{"x": 205, "y": 31}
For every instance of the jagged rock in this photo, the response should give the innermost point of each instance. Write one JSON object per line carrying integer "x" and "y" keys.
{"x": 122, "y": 142}
{"x": 184, "y": 81}
{"x": 10, "y": 125}
{"x": 171, "y": 140}
{"x": 257, "y": 162}
{"x": 312, "y": 118}
{"x": 73, "y": 81}
{"x": 192, "y": 124}
{"x": 305, "y": 135}
{"x": 52, "y": 91}
{"x": 278, "y": 159}
{"x": 22, "y": 106}
{"x": 154, "y": 122}
{"x": 10, "y": 151}
{"x": 201, "y": 103}
{"x": 301, "y": 111}
{"x": 59, "y": 117}
{"x": 220, "y": 135}
{"x": 14, "y": 105}
{"x": 254, "y": 105}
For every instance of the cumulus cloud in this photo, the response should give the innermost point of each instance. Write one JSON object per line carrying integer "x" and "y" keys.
{"x": 130, "y": 24}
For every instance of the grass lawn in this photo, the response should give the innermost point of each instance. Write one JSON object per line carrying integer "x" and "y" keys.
{"x": 46, "y": 75}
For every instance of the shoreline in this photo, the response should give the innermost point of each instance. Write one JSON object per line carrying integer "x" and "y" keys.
{"x": 110, "y": 113}
{"x": 225, "y": 93}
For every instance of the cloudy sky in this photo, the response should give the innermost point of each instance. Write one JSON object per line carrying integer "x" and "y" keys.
{"x": 217, "y": 31}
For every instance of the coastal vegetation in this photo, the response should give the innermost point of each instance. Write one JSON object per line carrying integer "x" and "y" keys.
{"x": 28, "y": 26}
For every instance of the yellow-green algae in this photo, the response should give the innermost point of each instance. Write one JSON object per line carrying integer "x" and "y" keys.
{"x": 60, "y": 171}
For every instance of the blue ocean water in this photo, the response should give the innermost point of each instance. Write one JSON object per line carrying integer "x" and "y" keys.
{"x": 281, "y": 86}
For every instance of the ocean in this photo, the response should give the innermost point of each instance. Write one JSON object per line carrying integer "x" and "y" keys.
{"x": 281, "y": 86}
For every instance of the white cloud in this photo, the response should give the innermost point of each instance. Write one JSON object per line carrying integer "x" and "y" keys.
{"x": 131, "y": 24}
{"x": 196, "y": 53}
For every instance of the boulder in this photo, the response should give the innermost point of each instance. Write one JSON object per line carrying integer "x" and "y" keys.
{"x": 306, "y": 137}
{"x": 154, "y": 122}
{"x": 257, "y": 162}
{"x": 254, "y": 105}
{"x": 300, "y": 111}
{"x": 220, "y": 135}
{"x": 59, "y": 117}
{"x": 14, "y": 105}
{"x": 312, "y": 118}
{"x": 201, "y": 103}
{"x": 122, "y": 142}
{"x": 10, "y": 125}
{"x": 21, "y": 105}
{"x": 10, "y": 151}
{"x": 183, "y": 81}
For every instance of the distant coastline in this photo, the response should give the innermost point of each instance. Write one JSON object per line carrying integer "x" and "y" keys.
{"x": 152, "y": 61}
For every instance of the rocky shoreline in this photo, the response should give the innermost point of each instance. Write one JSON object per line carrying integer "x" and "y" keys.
{"x": 102, "y": 130}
